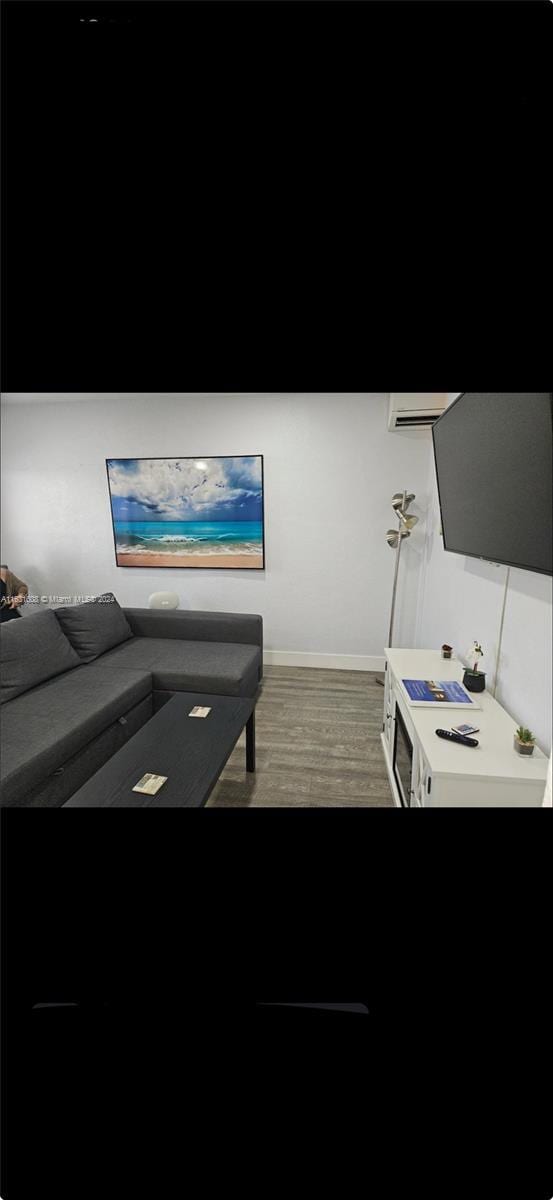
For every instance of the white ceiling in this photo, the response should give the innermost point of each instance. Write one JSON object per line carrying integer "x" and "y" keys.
{"x": 80, "y": 397}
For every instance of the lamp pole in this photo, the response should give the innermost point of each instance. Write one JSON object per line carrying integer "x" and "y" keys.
{"x": 400, "y": 504}
{"x": 394, "y": 590}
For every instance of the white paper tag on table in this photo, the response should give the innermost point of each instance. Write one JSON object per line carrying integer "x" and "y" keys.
{"x": 198, "y": 711}
{"x": 150, "y": 784}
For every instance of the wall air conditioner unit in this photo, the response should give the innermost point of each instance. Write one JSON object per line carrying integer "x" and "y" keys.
{"x": 415, "y": 410}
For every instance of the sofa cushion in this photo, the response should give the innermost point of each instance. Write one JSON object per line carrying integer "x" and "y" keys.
{"x": 220, "y": 668}
{"x": 32, "y": 650}
{"x": 94, "y": 627}
{"x": 44, "y": 728}
{"x": 56, "y": 788}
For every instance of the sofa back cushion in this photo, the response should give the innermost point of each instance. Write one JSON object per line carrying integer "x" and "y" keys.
{"x": 31, "y": 651}
{"x": 94, "y": 627}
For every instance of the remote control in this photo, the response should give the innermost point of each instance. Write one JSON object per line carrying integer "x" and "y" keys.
{"x": 456, "y": 737}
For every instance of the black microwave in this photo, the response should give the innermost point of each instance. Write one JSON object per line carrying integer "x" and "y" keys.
{"x": 403, "y": 759}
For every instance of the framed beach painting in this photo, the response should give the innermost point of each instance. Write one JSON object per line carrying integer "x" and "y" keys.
{"x": 188, "y": 512}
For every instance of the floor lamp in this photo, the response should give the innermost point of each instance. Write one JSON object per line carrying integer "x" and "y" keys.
{"x": 394, "y": 538}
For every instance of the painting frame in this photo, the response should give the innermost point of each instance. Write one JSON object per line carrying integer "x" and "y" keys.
{"x": 150, "y": 561}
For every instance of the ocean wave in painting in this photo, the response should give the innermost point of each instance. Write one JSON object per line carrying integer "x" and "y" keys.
{"x": 190, "y": 537}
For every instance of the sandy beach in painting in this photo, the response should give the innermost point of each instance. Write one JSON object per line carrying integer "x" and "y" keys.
{"x": 238, "y": 561}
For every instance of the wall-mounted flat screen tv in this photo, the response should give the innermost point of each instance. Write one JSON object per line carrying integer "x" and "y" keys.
{"x": 188, "y": 512}
{"x": 493, "y": 454}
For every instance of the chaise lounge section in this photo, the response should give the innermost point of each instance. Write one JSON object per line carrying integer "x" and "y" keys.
{"x": 77, "y": 682}
{"x": 219, "y": 653}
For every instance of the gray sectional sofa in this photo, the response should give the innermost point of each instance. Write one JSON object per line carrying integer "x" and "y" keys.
{"x": 77, "y": 682}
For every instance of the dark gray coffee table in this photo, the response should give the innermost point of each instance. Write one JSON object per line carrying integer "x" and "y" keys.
{"x": 190, "y": 751}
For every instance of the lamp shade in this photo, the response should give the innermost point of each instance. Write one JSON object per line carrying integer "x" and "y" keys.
{"x": 399, "y": 503}
{"x": 407, "y": 522}
{"x": 393, "y": 536}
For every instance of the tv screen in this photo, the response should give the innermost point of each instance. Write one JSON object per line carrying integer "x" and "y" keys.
{"x": 493, "y": 455}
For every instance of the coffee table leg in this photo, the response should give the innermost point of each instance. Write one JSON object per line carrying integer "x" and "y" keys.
{"x": 250, "y": 743}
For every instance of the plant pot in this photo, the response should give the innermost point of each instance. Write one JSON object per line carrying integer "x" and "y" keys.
{"x": 523, "y": 747}
{"x": 474, "y": 681}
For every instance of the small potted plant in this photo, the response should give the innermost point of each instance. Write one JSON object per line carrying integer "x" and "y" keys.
{"x": 473, "y": 679}
{"x": 524, "y": 741}
{"x": 447, "y": 650}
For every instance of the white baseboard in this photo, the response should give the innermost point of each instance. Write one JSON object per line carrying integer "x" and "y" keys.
{"x": 334, "y": 662}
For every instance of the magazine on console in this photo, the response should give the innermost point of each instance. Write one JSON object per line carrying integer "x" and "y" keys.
{"x": 443, "y": 693}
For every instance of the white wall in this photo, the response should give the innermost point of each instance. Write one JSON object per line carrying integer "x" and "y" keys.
{"x": 331, "y": 468}
{"x": 461, "y": 601}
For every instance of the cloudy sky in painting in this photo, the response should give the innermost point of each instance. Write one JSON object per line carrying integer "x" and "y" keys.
{"x": 186, "y": 489}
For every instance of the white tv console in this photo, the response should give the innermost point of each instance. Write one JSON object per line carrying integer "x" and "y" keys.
{"x": 437, "y": 773}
